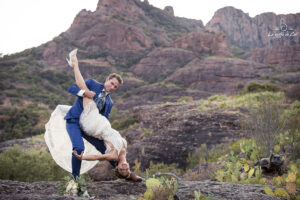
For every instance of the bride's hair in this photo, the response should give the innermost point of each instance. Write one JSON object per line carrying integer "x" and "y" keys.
{"x": 120, "y": 176}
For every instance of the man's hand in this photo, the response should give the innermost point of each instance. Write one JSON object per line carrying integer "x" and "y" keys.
{"x": 89, "y": 94}
{"x": 78, "y": 156}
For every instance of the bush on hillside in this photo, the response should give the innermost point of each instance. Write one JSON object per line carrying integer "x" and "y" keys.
{"x": 29, "y": 166}
{"x": 293, "y": 92}
{"x": 20, "y": 123}
{"x": 260, "y": 87}
{"x": 265, "y": 122}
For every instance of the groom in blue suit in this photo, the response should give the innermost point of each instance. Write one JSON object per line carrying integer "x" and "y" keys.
{"x": 100, "y": 93}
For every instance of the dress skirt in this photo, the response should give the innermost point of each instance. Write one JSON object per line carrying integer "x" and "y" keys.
{"x": 59, "y": 143}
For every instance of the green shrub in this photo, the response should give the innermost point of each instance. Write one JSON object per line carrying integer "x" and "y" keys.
{"x": 260, "y": 87}
{"x": 240, "y": 86}
{"x": 265, "y": 122}
{"x": 29, "y": 166}
{"x": 200, "y": 196}
{"x": 160, "y": 189}
{"x": 121, "y": 120}
{"x": 184, "y": 99}
{"x": 199, "y": 156}
{"x": 248, "y": 155}
{"x": 291, "y": 138}
{"x": 161, "y": 167}
{"x": 293, "y": 92}
{"x": 93, "y": 55}
{"x": 156, "y": 168}
{"x": 20, "y": 123}
{"x": 217, "y": 98}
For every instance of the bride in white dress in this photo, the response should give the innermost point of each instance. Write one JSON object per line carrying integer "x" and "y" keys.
{"x": 95, "y": 125}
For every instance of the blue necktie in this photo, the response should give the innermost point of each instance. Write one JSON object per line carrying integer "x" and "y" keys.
{"x": 100, "y": 100}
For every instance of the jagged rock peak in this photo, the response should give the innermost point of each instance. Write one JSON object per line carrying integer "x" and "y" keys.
{"x": 84, "y": 13}
{"x": 229, "y": 10}
{"x": 169, "y": 10}
{"x": 119, "y": 7}
{"x": 247, "y": 32}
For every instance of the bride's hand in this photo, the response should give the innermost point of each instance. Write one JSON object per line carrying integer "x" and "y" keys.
{"x": 78, "y": 156}
{"x": 89, "y": 94}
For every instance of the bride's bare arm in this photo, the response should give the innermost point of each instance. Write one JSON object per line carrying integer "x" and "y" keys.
{"x": 109, "y": 157}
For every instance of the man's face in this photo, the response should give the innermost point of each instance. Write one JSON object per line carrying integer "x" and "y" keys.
{"x": 111, "y": 85}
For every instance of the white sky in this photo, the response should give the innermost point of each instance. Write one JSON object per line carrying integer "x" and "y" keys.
{"x": 28, "y": 23}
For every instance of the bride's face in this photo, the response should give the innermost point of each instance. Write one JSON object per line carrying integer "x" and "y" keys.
{"x": 111, "y": 85}
{"x": 123, "y": 169}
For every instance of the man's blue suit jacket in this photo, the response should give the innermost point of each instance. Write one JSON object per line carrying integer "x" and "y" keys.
{"x": 77, "y": 108}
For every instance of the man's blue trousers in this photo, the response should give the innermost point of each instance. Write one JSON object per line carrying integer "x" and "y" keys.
{"x": 76, "y": 135}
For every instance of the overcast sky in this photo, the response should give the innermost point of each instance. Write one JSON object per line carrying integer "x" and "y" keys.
{"x": 28, "y": 23}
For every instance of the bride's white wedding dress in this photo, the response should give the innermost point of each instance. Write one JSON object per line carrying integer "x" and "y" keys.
{"x": 93, "y": 123}
{"x": 96, "y": 125}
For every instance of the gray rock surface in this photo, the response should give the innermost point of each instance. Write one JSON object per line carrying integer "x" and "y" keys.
{"x": 110, "y": 190}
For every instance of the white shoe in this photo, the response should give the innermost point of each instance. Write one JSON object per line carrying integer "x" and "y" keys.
{"x": 71, "y": 54}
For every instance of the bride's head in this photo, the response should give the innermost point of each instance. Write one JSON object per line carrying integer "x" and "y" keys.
{"x": 123, "y": 169}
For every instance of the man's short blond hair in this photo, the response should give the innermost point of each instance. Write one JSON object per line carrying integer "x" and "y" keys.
{"x": 117, "y": 76}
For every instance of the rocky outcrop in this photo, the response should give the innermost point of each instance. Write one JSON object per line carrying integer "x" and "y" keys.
{"x": 103, "y": 171}
{"x": 217, "y": 74}
{"x": 282, "y": 55}
{"x": 157, "y": 93}
{"x": 168, "y": 133}
{"x": 247, "y": 32}
{"x": 223, "y": 191}
{"x": 121, "y": 8}
{"x": 99, "y": 34}
{"x": 123, "y": 190}
{"x": 27, "y": 143}
{"x": 159, "y": 63}
{"x": 118, "y": 27}
{"x": 169, "y": 10}
{"x": 203, "y": 43}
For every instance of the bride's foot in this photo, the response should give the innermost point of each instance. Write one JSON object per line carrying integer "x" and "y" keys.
{"x": 72, "y": 58}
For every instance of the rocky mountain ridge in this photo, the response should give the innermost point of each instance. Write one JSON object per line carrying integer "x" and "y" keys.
{"x": 151, "y": 48}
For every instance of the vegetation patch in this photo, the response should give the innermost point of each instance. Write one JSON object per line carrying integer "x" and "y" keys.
{"x": 29, "y": 166}
{"x": 21, "y": 123}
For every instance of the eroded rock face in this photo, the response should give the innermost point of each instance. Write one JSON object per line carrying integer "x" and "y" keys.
{"x": 96, "y": 34}
{"x": 122, "y": 8}
{"x": 169, "y": 10}
{"x": 123, "y": 190}
{"x": 167, "y": 133}
{"x": 282, "y": 55}
{"x": 161, "y": 62}
{"x": 217, "y": 74}
{"x": 247, "y": 32}
{"x": 203, "y": 43}
{"x": 118, "y": 27}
